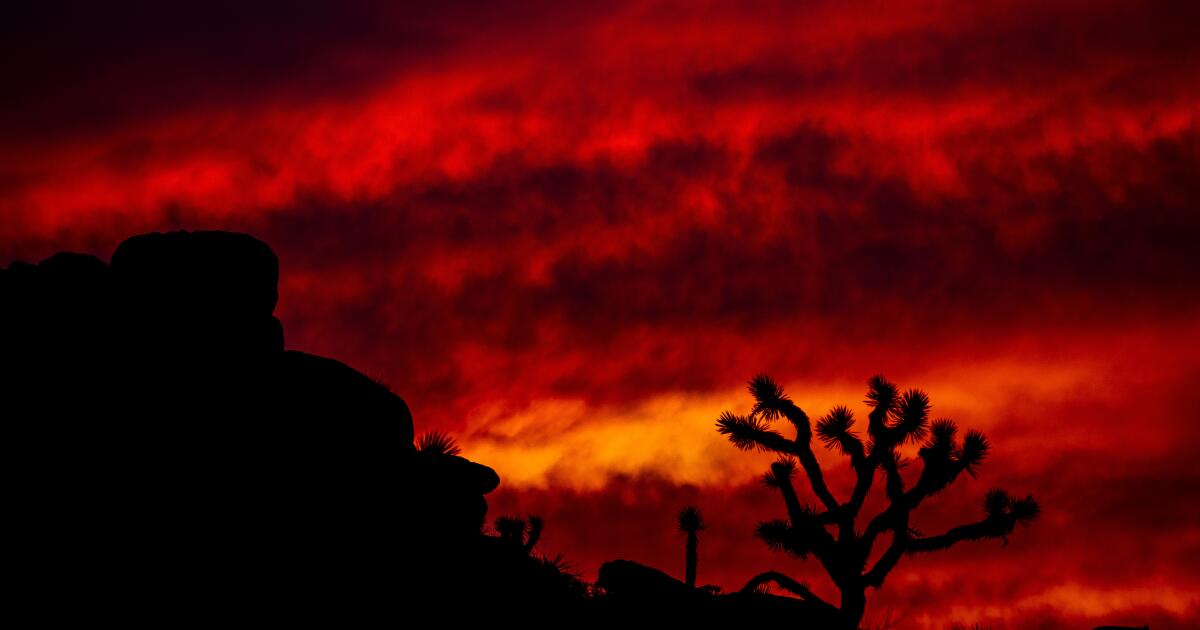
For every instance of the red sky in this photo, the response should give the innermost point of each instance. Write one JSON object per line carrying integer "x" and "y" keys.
{"x": 569, "y": 234}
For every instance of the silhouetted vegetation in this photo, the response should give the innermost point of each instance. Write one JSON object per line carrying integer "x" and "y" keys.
{"x": 829, "y": 531}
{"x": 437, "y": 443}
{"x": 689, "y": 522}
{"x": 518, "y": 532}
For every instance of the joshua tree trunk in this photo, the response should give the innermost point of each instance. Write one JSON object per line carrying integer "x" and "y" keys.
{"x": 690, "y": 522}
{"x": 692, "y": 556}
{"x": 854, "y": 604}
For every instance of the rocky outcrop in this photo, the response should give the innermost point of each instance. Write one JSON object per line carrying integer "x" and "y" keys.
{"x": 165, "y": 453}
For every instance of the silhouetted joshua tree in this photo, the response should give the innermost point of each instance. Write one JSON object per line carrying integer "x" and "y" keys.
{"x": 690, "y": 522}
{"x": 828, "y": 531}
{"x": 515, "y": 530}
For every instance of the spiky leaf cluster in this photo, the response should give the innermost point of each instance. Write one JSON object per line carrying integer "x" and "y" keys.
{"x": 781, "y": 472}
{"x": 519, "y": 532}
{"x": 746, "y": 432}
{"x": 437, "y": 443}
{"x": 834, "y": 430}
{"x": 689, "y": 520}
{"x": 1007, "y": 512}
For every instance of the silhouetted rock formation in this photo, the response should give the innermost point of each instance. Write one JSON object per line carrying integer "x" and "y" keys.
{"x": 168, "y": 459}
{"x": 635, "y": 591}
{"x": 631, "y": 581}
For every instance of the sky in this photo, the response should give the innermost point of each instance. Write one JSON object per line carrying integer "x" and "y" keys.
{"x": 568, "y": 233}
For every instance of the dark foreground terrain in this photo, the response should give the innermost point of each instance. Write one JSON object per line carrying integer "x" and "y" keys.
{"x": 168, "y": 460}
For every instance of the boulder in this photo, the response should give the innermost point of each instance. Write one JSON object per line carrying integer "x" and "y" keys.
{"x": 211, "y": 293}
{"x": 179, "y": 273}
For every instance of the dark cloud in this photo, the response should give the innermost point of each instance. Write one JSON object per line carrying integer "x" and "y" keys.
{"x": 81, "y": 67}
{"x": 977, "y": 47}
{"x": 938, "y": 271}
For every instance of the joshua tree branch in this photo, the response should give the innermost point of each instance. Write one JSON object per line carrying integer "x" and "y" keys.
{"x": 901, "y": 503}
{"x": 795, "y": 511}
{"x": 815, "y": 477}
{"x": 748, "y": 433}
{"x": 825, "y": 518}
{"x": 788, "y": 584}
{"x": 925, "y": 488}
{"x": 799, "y": 539}
{"x": 991, "y": 527}
{"x": 987, "y": 528}
{"x": 877, "y": 526}
{"x": 894, "y": 485}
{"x": 823, "y": 545}
{"x": 853, "y": 447}
{"x": 773, "y": 441}
{"x": 811, "y": 526}
{"x": 864, "y": 469}
{"x": 904, "y": 545}
{"x": 895, "y": 551}
{"x": 895, "y": 516}
{"x": 886, "y": 563}
{"x": 802, "y": 449}
{"x": 799, "y": 419}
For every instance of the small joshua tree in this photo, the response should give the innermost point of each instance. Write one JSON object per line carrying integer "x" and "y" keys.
{"x": 828, "y": 531}
{"x": 516, "y": 531}
{"x": 690, "y": 522}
